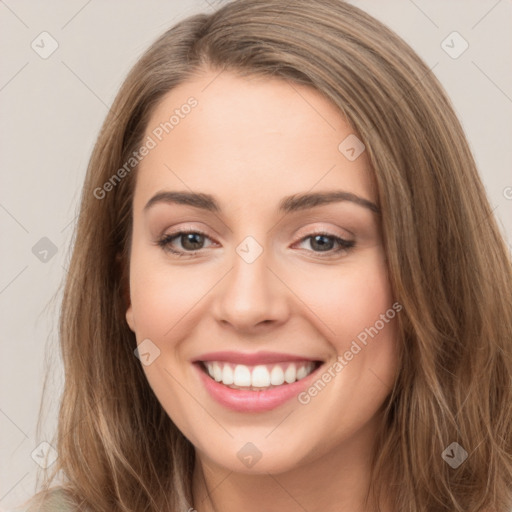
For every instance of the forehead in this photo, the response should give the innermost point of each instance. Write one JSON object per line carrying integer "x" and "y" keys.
{"x": 248, "y": 139}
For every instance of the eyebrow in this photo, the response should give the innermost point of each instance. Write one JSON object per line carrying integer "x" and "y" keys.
{"x": 296, "y": 202}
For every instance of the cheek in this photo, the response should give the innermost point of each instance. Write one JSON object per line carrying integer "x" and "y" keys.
{"x": 158, "y": 302}
{"x": 347, "y": 300}
{"x": 163, "y": 295}
{"x": 353, "y": 311}
{"x": 344, "y": 301}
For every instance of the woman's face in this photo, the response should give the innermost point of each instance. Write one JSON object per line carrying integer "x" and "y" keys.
{"x": 268, "y": 287}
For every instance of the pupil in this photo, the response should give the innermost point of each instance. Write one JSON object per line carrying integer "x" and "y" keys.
{"x": 189, "y": 238}
{"x": 319, "y": 240}
{"x": 322, "y": 245}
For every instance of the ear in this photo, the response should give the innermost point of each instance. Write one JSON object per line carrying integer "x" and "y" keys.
{"x": 129, "y": 318}
{"x": 125, "y": 290}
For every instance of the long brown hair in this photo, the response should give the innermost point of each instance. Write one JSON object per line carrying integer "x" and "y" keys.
{"x": 448, "y": 266}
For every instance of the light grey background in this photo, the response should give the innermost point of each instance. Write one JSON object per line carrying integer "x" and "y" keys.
{"x": 50, "y": 114}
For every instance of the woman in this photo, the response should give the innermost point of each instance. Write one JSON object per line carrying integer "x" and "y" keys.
{"x": 338, "y": 335}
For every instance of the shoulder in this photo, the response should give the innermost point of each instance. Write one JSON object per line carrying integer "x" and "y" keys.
{"x": 52, "y": 500}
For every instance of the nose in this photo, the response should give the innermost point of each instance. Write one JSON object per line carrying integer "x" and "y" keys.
{"x": 252, "y": 296}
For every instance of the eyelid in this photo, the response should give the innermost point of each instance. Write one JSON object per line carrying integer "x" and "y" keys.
{"x": 344, "y": 244}
{"x": 330, "y": 231}
{"x": 297, "y": 235}
{"x": 183, "y": 231}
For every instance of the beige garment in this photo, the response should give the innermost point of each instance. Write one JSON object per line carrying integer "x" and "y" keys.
{"x": 56, "y": 501}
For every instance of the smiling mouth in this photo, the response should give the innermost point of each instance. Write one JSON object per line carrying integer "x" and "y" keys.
{"x": 260, "y": 377}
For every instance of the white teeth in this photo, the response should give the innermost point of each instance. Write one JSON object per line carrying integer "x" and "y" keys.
{"x": 301, "y": 372}
{"x": 242, "y": 375}
{"x": 260, "y": 376}
{"x": 276, "y": 376}
{"x": 227, "y": 375}
{"x": 290, "y": 374}
{"x": 217, "y": 372}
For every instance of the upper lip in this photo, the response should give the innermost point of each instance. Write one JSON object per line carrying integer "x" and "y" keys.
{"x": 251, "y": 359}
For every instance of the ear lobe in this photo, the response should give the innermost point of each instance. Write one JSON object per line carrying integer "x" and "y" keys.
{"x": 125, "y": 290}
{"x": 129, "y": 318}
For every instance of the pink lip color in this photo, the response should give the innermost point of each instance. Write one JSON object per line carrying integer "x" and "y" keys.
{"x": 252, "y": 401}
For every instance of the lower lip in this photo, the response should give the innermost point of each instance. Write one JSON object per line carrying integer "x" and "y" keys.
{"x": 253, "y": 401}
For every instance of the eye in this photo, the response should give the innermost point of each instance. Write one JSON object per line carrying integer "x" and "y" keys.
{"x": 191, "y": 242}
{"x": 322, "y": 242}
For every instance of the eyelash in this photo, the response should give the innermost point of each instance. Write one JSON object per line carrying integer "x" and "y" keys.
{"x": 165, "y": 243}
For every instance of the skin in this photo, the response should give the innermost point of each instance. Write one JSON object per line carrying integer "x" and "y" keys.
{"x": 250, "y": 142}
